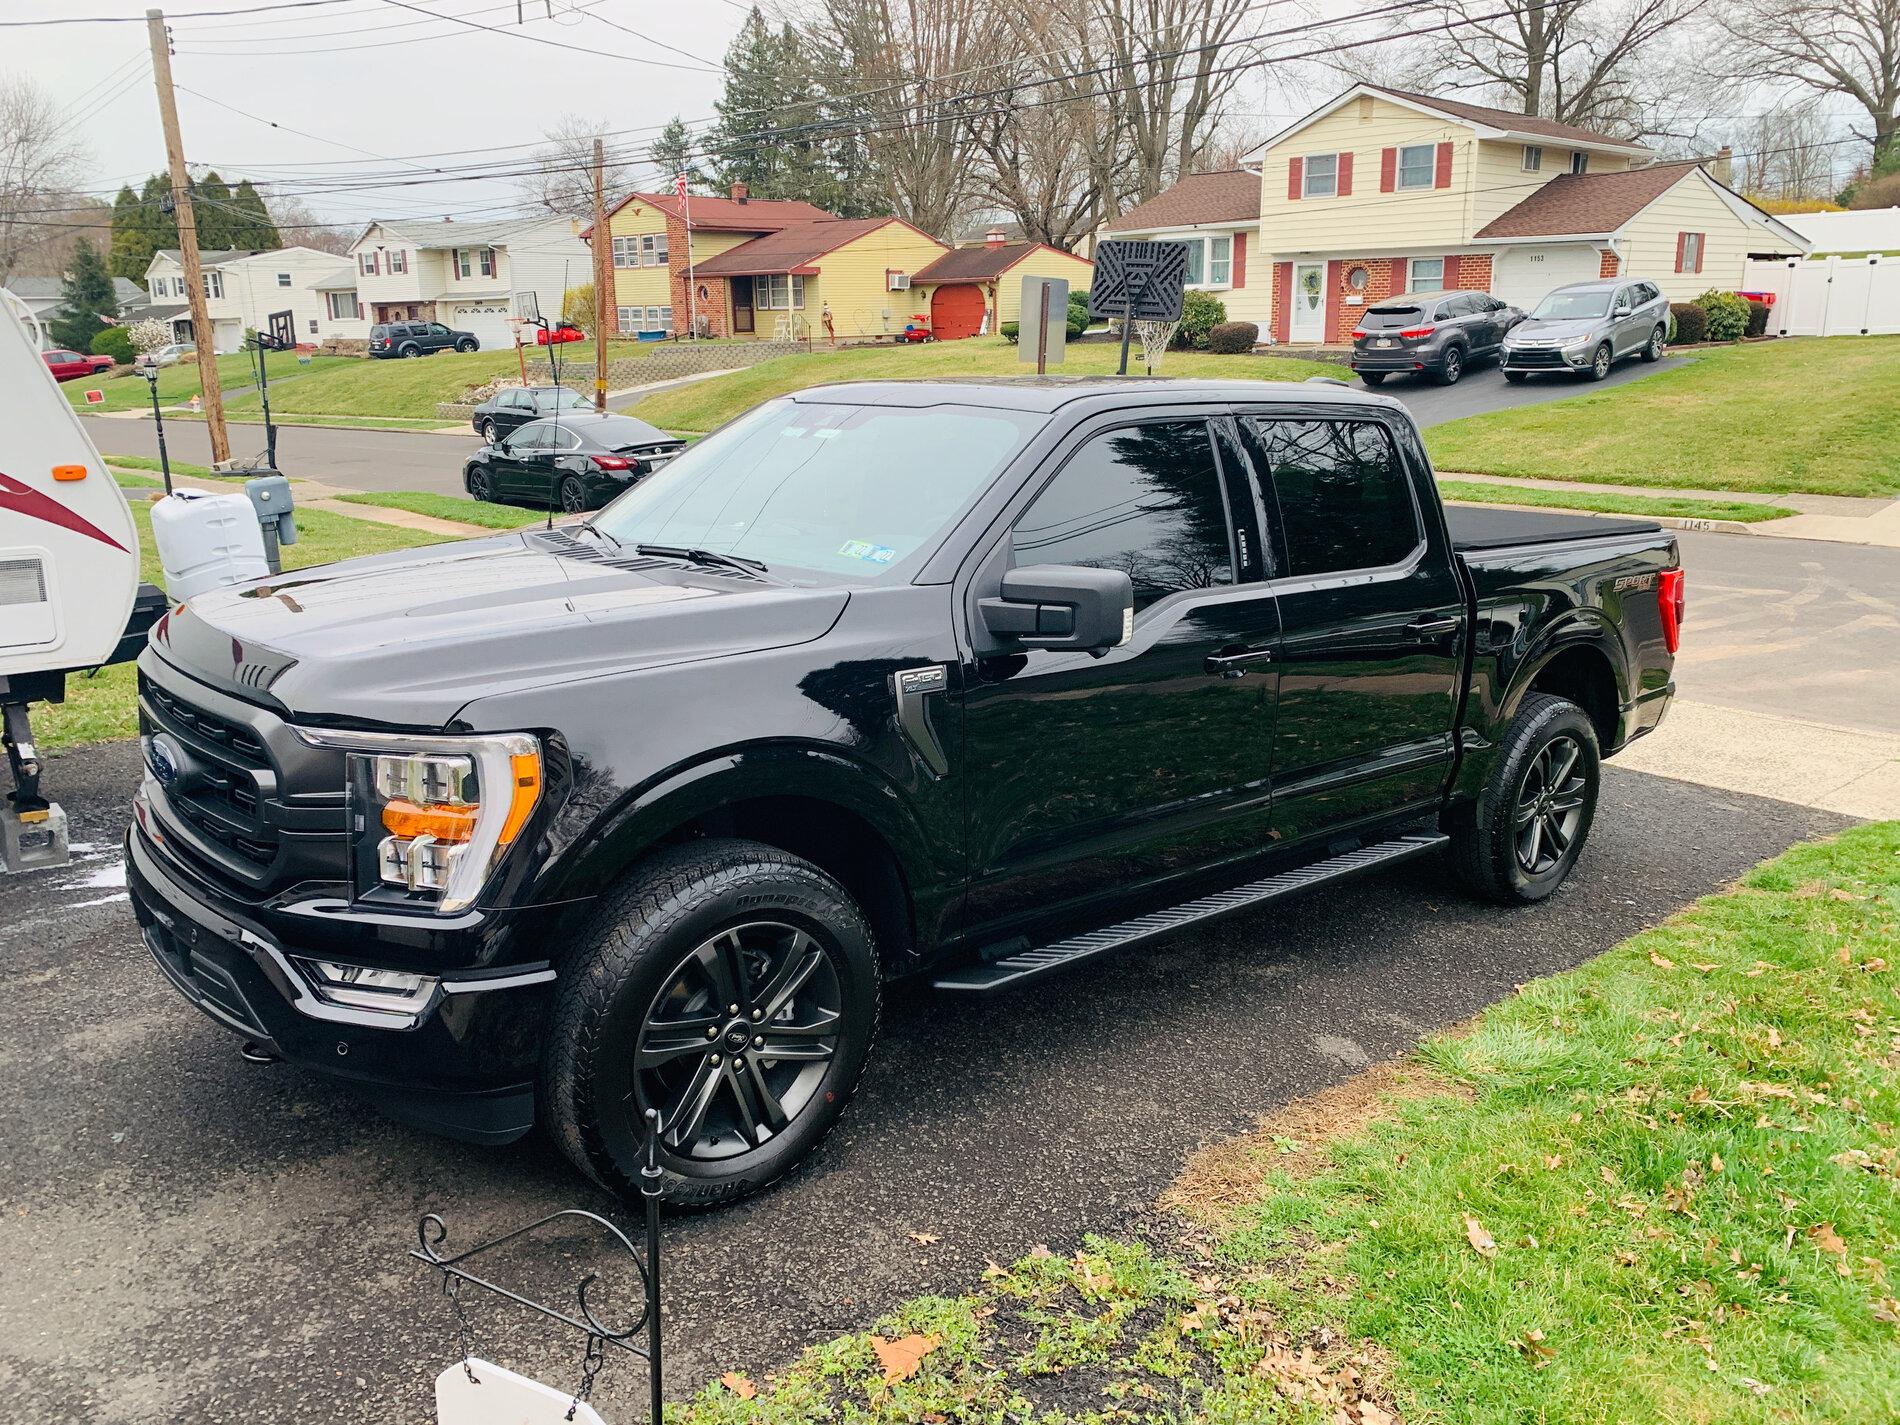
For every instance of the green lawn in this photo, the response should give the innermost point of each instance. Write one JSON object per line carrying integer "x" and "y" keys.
{"x": 1654, "y": 506}
{"x": 104, "y": 706}
{"x": 150, "y": 462}
{"x": 181, "y": 382}
{"x": 1799, "y": 415}
{"x": 452, "y": 507}
{"x": 412, "y": 389}
{"x": 702, "y": 405}
{"x": 1658, "y": 1188}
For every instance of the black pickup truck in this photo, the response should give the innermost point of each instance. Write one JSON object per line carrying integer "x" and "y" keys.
{"x": 970, "y": 681}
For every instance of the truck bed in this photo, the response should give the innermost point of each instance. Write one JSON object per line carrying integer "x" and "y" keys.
{"x": 1474, "y": 528}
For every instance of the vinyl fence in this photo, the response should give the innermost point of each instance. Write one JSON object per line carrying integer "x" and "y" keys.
{"x": 1829, "y": 296}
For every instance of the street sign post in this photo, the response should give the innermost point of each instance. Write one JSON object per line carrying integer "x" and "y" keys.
{"x": 1042, "y": 332}
{"x": 1138, "y": 282}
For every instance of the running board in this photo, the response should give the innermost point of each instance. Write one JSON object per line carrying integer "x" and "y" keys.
{"x": 996, "y": 974}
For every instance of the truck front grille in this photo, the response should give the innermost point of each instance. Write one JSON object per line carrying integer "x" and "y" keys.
{"x": 220, "y": 798}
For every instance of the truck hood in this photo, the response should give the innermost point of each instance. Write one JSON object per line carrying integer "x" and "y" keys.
{"x": 411, "y": 638}
{"x": 1571, "y": 329}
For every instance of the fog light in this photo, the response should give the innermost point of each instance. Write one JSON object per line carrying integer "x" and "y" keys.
{"x": 361, "y": 987}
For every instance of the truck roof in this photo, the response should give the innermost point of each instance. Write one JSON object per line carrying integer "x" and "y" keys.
{"x": 1048, "y": 394}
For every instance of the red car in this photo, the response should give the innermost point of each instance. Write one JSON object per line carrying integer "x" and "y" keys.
{"x": 71, "y": 365}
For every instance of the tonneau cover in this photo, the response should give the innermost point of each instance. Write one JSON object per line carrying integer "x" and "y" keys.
{"x": 1475, "y": 528}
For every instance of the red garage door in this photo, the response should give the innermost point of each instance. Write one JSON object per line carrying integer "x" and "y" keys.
{"x": 956, "y": 311}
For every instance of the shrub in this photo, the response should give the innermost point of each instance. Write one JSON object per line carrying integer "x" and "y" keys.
{"x": 1200, "y": 314}
{"x": 1010, "y": 331}
{"x": 115, "y": 342}
{"x": 1757, "y": 319}
{"x": 1233, "y": 338}
{"x": 1078, "y": 313}
{"x": 577, "y": 306}
{"x": 1727, "y": 313}
{"x": 1692, "y": 324}
{"x": 150, "y": 334}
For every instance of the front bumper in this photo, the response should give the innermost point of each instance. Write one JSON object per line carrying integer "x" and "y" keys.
{"x": 1543, "y": 358}
{"x": 461, "y": 1063}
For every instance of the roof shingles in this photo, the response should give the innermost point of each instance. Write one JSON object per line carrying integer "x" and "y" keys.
{"x": 790, "y": 249}
{"x": 1228, "y": 198}
{"x": 1587, "y": 203}
{"x": 1506, "y": 118}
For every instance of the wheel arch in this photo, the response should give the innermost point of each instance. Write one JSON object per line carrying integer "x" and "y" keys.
{"x": 1582, "y": 667}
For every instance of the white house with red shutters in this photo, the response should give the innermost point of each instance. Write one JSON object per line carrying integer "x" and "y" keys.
{"x": 1218, "y": 216}
{"x": 1380, "y": 191}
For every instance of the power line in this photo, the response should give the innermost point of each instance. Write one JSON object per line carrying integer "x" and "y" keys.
{"x": 178, "y": 15}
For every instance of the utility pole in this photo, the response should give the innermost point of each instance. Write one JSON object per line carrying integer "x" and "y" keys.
{"x": 603, "y": 275}
{"x": 188, "y": 238}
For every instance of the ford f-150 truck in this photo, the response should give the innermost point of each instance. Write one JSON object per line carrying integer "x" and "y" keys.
{"x": 967, "y": 681}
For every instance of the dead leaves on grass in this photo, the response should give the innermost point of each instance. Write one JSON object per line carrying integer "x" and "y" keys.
{"x": 739, "y": 1385}
{"x": 902, "y": 1358}
{"x": 1481, "y": 1241}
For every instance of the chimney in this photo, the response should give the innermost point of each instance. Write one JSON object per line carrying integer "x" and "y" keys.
{"x": 1722, "y": 166}
{"x": 994, "y": 238}
{"x": 738, "y": 192}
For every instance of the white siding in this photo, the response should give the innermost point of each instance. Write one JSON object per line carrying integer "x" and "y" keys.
{"x": 547, "y": 260}
{"x": 1648, "y": 241}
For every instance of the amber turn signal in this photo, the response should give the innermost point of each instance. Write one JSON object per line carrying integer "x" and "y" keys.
{"x": 445, "y": 823}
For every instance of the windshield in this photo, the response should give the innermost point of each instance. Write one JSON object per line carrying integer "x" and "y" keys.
{"x": 563, "y": 399}
{"x": 846, "y": 490}
{"x": 1571, "y": 306}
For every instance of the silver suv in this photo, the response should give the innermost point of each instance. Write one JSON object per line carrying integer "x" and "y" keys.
{"x": 1587, "y": 328}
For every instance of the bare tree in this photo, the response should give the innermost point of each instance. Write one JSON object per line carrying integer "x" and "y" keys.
{"x": 299, "y": 226}
{"x": 1787, "y": 152}
{"x": 1584, "y": 62}
{"x": 1845, "y": 47}
{"x": 563, "y": 180}
{"x": 40, "y": 164}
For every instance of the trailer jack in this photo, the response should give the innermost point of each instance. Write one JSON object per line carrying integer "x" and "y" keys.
{"x": 32, "y": 829}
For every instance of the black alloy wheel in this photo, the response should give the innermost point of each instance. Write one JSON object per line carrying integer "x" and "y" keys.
{"x": 738, "y": 1041}
{"x": 1453, "y": 367}
{"x": 573, "y": 496}
{"x": 479, "y": 485}
{"x": 1600, "y": 363}
{"x": 1550, "y": 805}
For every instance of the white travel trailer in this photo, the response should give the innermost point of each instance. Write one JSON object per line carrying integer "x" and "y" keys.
{"x": 70, "y": 597}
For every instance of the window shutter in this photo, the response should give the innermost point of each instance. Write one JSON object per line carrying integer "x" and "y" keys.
{"x": 1441, "y": 176}
{"x": 1388, "y": 169}
{"x": 1682, "y": 240}
{"x": 1239, "y": 276}
{"x": 1293, "y": 167}
{"x": 1701, "y": 242}
{"x": 1451, "y": 274}
{"x": 1345, "y": 175}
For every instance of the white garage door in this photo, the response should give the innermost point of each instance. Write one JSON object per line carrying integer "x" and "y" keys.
{"x": 488, "y": 320}
{"x": 1523, "y": 275}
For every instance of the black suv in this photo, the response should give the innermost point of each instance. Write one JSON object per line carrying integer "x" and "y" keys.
{"x": 418, "y": 339}
{"x": 1430, "y": 333}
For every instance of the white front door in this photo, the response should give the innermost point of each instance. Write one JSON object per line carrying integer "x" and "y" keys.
{"x": 1309, "y": 302}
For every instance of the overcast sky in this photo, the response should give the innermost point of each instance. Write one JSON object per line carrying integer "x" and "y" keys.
{"x": 351, "y": 84}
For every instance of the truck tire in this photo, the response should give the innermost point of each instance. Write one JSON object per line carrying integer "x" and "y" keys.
{"x": 1533, "y": 814}
{"x": 689, "y": 974}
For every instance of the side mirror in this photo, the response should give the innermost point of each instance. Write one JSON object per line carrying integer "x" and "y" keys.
{"x": 1062, "y": 606}
{"x": 1622, "y": 311}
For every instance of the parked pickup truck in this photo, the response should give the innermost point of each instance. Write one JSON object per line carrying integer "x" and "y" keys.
{"x": 974, "y": 682}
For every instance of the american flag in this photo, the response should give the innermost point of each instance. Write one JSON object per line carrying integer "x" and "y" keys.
{"x": 679, "y": 185}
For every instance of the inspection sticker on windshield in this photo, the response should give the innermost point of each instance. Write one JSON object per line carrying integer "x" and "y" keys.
{"x": 870, "y": 553}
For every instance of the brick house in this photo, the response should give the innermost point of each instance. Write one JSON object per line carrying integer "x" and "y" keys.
{"x": 653, "y": 290}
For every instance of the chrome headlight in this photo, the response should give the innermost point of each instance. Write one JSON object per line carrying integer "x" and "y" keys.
{"x": 431, "y": 817}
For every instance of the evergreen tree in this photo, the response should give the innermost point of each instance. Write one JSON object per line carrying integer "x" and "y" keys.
{"x": 86, "y": 298}
{"x": 156, "y": 221}
{"x": 259, "y": 230}
{"x": 211, "y": 206}
{"x": 131, "y": 243}
{"x": 763, "y": 136}
{"x": 672, "y": 154}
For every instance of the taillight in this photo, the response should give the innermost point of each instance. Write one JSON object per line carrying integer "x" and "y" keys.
{"x": 1418, "y": 332}
{"x": 1672, "y": 604}
{"x": 1360, "y": 331}
{"x": 612, "y": 462}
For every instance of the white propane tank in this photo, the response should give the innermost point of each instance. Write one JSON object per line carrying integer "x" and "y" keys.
{"x": 207, "y": 541}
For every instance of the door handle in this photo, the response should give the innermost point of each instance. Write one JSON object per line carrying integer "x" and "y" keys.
{"x": 1431, "y": 630}
{"x": 1235, "y": 665}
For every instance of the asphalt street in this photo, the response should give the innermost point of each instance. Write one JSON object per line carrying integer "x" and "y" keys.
{"x": 187, "y": 1236}
{"x": 421, "y": 460}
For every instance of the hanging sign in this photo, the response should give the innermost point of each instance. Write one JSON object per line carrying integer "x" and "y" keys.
{"x": 500, "y": 1397}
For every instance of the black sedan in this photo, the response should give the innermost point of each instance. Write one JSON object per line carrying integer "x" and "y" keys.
{"x": 573, "y": 462}
{"x": 509, "y": 410}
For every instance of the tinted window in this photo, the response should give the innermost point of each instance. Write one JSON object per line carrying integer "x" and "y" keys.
{"x": 1343, "y": 498}
{"x": 532, "y": 436}
{"x": 1380, "y": 318}
{"x": 1145, "y": 499}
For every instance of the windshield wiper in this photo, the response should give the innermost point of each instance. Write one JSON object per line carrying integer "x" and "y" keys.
{"x": 711, "y": 557}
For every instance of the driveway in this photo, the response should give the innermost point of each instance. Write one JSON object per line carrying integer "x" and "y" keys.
{"x": 1486, "y": 390}
{"x": 188, "y": 1236}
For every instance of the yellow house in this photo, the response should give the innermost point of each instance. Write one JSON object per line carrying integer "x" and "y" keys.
{"x": 1381, "y": 191}
{"x": 1217, "y": 217}
{"x": 659, "y": 241}
{"x": 976, "y": 289}
{"x": 830, "y": 280}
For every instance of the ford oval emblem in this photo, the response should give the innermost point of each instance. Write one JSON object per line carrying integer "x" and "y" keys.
{"x": 165, "y": 759}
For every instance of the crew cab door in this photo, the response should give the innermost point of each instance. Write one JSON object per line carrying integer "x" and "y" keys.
{"x": 1372, "y": 614}
{"x": 1088, "y": 776}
